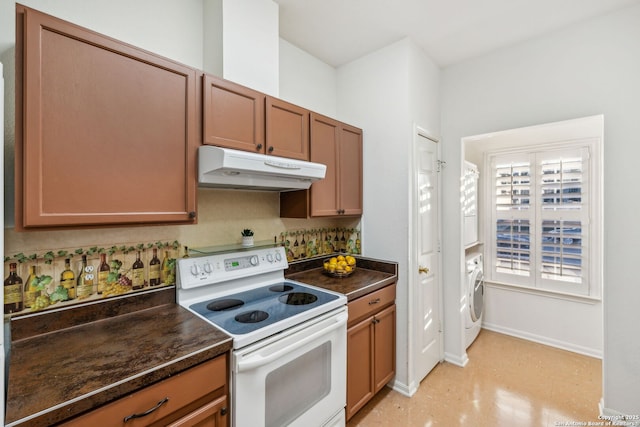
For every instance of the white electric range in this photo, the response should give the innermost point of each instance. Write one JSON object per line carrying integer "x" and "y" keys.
{"x": 289, "y": 339}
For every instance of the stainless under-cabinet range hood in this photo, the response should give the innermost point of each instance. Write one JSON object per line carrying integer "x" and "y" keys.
{"x": 226, "y": 168}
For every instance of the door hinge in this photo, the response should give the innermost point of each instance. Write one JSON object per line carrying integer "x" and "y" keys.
{"x": 441, "y": 165}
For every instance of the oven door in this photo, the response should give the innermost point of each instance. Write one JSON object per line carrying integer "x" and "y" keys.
{"x": 295, "y": 378}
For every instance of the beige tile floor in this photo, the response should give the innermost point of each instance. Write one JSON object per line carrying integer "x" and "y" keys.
{"x": 508, "y": 382}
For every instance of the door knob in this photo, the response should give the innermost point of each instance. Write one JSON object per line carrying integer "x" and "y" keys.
{"x": 424, "y": 270}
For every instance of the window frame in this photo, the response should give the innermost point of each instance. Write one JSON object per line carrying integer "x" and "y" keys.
{"x": 591, "y": 217}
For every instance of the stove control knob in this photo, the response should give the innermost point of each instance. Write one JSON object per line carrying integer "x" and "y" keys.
{"x": 195, "y": 270}
{"x": 270, "y": 257}
{"x": 278, "y": 257}
{"x": 253, "y": 260}
{"x": 207, "y": 267}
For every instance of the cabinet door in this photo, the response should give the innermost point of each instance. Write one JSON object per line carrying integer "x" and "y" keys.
{"x": 213, "y": 414}
{"x": 325, "y": 133}
{"x": 105, "y": 132}
{"x": 360, "y": 353}
{"x": 233, "y": 115}
{"x": 339, "y": 147}
{"x": 287, "y": 128}
{"x": 350, "y": 166}
{"x": 384, "y": 347}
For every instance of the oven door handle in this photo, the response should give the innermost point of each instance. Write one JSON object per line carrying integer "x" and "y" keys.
{"x": 257, "y": 361}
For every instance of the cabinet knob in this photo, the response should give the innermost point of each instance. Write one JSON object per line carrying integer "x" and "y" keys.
{"x": 192, "y": 215}
{"x": 223, "y": 411}
{"x": 258, "y": 147}
{"x": 270, "y": 149}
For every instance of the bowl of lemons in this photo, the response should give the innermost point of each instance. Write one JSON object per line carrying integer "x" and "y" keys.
{"x": 340, "y": 266}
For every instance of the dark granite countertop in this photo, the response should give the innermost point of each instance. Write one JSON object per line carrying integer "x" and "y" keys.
{"x": 99, "y": 353}
{"x": 370, "y": 275}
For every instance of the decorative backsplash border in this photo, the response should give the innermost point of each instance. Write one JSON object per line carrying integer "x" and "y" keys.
{"x": 50, "y": 256}
{"x": 47, "y": 284}
{"x": 316, "y": 242}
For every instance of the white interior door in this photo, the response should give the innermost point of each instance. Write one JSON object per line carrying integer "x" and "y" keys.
{"x": 428, "y": 335}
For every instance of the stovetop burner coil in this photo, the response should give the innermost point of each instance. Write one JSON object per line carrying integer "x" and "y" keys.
{"x": 282, "y": 287}
{"x": 298, "y": 298}
{"x": 254, "y": 316}
{"x": 225, "y": 304}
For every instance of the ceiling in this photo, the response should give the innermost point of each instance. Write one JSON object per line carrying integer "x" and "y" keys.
{"x": 449, "y": 31}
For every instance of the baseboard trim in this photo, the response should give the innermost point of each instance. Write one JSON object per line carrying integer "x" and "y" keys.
{"x": 402, "y": 388}
{"x": 544, "y": 340}
{"x": 457, "y": 360}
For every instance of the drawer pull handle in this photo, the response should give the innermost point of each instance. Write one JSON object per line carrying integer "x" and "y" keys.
{"x": 147, "y": 412}
{"x": 375, "y": 301}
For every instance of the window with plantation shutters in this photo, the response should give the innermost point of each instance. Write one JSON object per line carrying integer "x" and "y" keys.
{"x": 540, "y": 212}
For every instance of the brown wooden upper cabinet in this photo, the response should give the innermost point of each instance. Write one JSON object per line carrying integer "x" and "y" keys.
{"x": 287, "y": 129}
{"x": 233, "y": 115}
{"x": 241, "y": 118}
{"x": 106, "y": 133}
{"x": 339, "y": 146}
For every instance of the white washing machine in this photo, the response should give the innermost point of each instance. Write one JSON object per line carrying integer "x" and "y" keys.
{"x": 474, "y": 288}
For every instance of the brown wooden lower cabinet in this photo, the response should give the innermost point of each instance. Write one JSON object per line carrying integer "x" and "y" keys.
{"x": 371, "y": 346}
{"x": 196, "y": 397}
{"x": 213, "y": 414}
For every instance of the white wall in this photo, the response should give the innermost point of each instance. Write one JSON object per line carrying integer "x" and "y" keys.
{"x": 307, "y": 81}
{"x": 167, "y": 27}
{"x": 568, "y": 324}
{"x": 588, "y": 69}
{"x": 375, "y": 93}
{"x": 250, "y": 44}
{"x": 212, "y": 58}
{"x": 424, "y": 91}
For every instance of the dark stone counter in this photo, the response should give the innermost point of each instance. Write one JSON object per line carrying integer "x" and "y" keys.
{"x": 369, "y": 275}
{"x": 100, "y": 353}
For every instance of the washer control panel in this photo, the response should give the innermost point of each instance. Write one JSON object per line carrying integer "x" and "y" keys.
{"x": 215, "y": 268}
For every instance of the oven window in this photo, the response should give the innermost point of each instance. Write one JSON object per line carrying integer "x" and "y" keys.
{"x": 295, "y": 387}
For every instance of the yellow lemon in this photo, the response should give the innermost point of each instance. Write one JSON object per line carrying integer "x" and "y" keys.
{"x": 326, "y": 265}
{"x": 340, "y": 258}
{"x": 351, "y": 260}
{"x": 347, "y": 269}
{"x": 333, "y": 260}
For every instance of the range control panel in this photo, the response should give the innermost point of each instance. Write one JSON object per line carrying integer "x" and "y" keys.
{"x": 216, "y": 268}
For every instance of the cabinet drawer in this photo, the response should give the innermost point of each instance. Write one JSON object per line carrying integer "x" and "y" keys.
{"x": 371, "y": 303}
{"x": 178, "y": 391}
